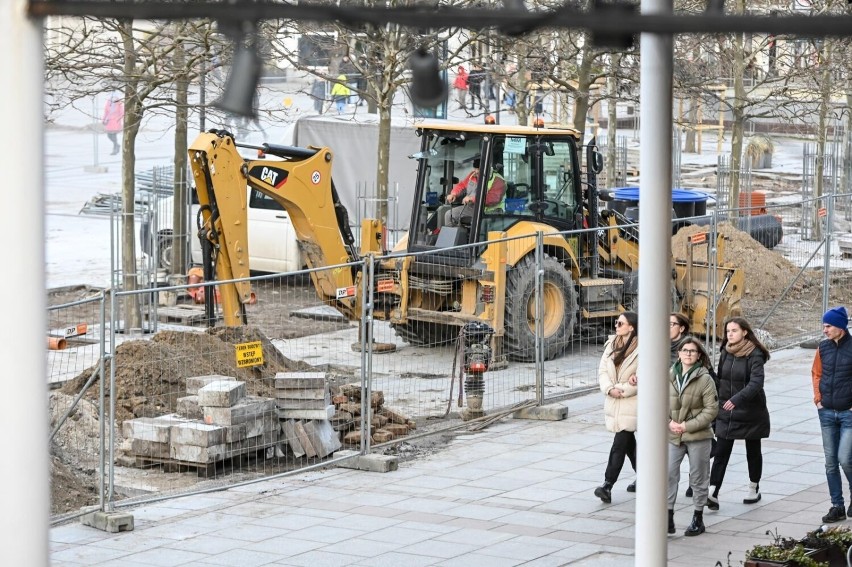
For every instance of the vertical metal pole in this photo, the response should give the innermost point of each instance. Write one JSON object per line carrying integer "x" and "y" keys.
{"x": 539, "y": 316}
{"x": 655, "y": 250}
{"x": 366, "y": 351}
{"x": 24, "y": 485}
{"x": 101, "y": 407}
{"x": 113, "y": 318}
{"x": 95, "y": 133}
{"x": 202, "y": 97}
{"x": 826, "y": 262}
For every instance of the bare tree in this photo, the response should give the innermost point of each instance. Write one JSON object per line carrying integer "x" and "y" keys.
{"x": 87, "y": 57}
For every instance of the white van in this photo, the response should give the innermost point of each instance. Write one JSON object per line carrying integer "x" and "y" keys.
{"x": 272, "y": 240}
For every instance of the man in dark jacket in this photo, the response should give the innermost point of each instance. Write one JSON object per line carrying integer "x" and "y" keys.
{"x": 832, "y": 381}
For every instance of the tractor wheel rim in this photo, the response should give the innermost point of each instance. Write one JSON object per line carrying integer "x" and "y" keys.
{"x": 554, "y": 309}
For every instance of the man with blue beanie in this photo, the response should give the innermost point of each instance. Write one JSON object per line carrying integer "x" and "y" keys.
{"x": 832, "y": 380}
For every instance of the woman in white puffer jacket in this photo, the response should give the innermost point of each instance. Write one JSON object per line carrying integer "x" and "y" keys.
{"x": 617, "y": 378}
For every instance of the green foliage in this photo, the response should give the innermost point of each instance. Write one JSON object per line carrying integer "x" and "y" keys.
{"x": 785, "y": 550}
{"x": 797, "y": 555}
{"x": 838, "y": 536}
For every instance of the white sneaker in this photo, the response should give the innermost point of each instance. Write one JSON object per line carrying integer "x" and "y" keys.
{"x": 753, "y": 493}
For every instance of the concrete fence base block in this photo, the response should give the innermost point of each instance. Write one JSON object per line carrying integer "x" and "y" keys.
{"x": 112, "y": 522}
{"x": 544, "y": 413}
{"x": 369, "y": 463}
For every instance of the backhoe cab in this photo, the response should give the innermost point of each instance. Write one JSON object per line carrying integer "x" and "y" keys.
{"x": 528, "y": 182}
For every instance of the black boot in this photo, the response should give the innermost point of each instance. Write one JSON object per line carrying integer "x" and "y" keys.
{"x": 671, "y": 522}
{"x": 697, "y": 526}
{"x": 604, "y": 492}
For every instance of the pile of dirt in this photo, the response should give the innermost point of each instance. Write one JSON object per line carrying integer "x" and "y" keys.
{"x": 70, "y": 488}
{"x": 150, "y": 375}
{"x": 767, "y": 273}
{"x": 75, "y": 454}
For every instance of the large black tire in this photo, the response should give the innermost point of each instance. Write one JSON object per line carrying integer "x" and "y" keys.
{"x": 424, "y": 334}
{"x": 560, "y": 310}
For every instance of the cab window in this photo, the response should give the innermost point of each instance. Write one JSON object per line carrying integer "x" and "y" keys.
{"x": 258, "y": 200}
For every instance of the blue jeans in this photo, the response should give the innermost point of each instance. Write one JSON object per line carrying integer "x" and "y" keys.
{"x": 836, "y": 428}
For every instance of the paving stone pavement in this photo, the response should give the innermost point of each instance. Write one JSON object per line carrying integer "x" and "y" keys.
{"x": 517, "y": 493}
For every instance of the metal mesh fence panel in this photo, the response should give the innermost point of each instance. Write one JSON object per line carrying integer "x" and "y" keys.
{"x": 197, "y": 407}
{"x": 76, "y": 337}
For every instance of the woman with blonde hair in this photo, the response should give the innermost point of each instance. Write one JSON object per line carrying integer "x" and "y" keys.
{"x": 617, "y": 379}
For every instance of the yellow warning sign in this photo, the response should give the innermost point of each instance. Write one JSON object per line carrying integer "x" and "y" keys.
{"x": 249, "y": 354}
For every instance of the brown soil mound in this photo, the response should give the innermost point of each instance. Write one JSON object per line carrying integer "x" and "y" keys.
{"x": 151, "y": 374}
{"x": 70, "y": 489}
{"x": 767, "y": 273}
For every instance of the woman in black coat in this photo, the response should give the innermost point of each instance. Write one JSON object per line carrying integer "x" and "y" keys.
{"x": 742, "y": 406}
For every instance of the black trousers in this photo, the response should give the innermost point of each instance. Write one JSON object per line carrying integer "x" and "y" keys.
{"x": 623, "y": 445}
{"x": 722, "y": 455}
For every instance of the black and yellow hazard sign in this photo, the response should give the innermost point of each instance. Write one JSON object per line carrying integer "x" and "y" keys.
{"x": 249, "y": 354}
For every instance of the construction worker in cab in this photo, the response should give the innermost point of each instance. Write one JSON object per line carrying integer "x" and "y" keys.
{"x": 466, "y": 191}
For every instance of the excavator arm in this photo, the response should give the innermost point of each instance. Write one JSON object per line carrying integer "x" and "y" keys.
{"x": 300, "y": 181}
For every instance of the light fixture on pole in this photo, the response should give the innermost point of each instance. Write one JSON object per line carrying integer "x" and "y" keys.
{"x": 240, "y": 94}
{"x": 428, "y": 90}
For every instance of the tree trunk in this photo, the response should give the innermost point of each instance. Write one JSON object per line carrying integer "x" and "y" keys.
{"x": 179, "y": 236}
{"x": 132, "y": 117}
{"x": 611, "y": 122}
{"x": 581, "y": 98}
{"x": 692, "y": 118}
{"x": 819, "y": 162}
{"x": 522, "y": 93}
{"x": 383, "y": 163}
{"x": 738, "y": 117}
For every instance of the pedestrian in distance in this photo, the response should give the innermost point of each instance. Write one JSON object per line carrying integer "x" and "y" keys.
{"x": 474, "y": 82}
{"x": 460, "y": 85}
{"x": 742, "y": 406}
{"x": 113, "y": 119}
{"x": 340, "y": 93}
{"x": 693, "y": 404}
{"x": 831, "y": 374}
{"x": 318, "y": 94}
{"x": 617, "y": 379}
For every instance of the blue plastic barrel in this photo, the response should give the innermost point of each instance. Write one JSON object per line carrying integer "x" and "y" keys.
{"x": 686, "y": 202}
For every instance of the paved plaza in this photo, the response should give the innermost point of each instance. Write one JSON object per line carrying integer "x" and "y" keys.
{"x": 517, "y": 493}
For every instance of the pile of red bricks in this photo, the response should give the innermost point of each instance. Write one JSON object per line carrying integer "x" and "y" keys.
{"x": 385, "y": 424}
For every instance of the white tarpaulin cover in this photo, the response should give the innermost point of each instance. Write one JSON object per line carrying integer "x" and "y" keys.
{"x": 355, "y": 147}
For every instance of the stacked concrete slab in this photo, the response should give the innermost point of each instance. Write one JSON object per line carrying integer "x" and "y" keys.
{"x": 304, "y": 408}
{"x": 221, "y": 423}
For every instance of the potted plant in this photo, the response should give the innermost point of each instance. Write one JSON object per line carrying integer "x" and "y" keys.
{"x": 785, "y": 551}
{"x": 835, "y": 540}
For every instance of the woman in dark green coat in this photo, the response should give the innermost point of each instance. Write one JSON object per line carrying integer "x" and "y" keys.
{"x": 693, "y": 406}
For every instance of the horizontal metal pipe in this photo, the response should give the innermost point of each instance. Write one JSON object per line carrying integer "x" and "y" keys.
{"x": 568, "y": 17}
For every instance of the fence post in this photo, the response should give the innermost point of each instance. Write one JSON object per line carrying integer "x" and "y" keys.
{"x": 367, "y": 270}
{"x": 101, "y": 417}
{"x": 826, "y": 262}
{"x": 539, "y": 317}
{"x": 111, "y": 466}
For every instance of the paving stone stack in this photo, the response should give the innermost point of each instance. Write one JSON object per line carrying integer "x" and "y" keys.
{"x": 219, "y": 422}
{"x": 304, "y": 408}
{"x": 385, "y": 423}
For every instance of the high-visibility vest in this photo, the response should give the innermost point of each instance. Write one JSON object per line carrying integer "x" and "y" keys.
{"x": 500, "y": 206}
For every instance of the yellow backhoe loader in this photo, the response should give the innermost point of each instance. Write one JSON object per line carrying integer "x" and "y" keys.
{"x": 467, "y": 258}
